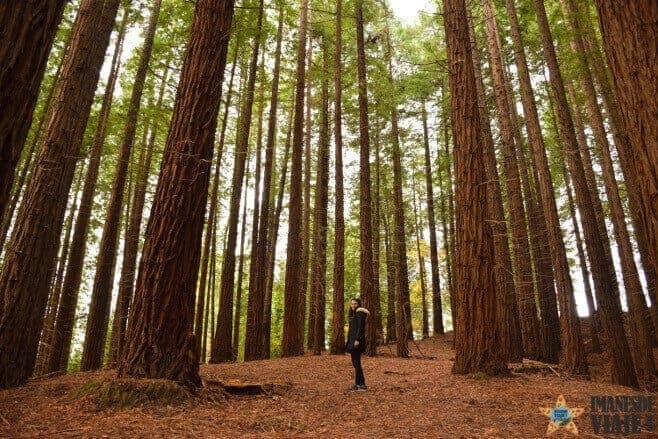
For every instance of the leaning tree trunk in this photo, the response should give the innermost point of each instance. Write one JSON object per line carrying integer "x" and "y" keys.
{"x": 28, "y": 32}
{"x": 338, "y": 307}
{"x": 256, "y": 301}
{"x": 573, "y": 355}
{"x": 271, "y": 247}
{"x": 508, "y": 313}
{"x": 437, "y": 312}
{"x": 474, "y": 279}
{"x": 623, "y": 371}
{"x": 640, "y": 320}
{"x": 238, "y": 293}
{"x": 630, "y": 31}
{"x": 403, "y": 327}
{"x": 101, "y": 296}
{"x": 292, "y": 343}
{"x": 600, "y": 75}
{"x": 221, "y": 348}
{"x": 129, "y": 265}
{"x": 61, "y": 348}
{"x": 48, "y": 334}
{"x": 30, "y": 257}
{"x": 522, "y": 262}
{"x": 159, "y": 338}
{"x": 594, "y": 326}
{"x": 200, "y": 322}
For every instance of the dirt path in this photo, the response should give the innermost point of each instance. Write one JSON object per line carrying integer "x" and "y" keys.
{"x": 406, "y": 398}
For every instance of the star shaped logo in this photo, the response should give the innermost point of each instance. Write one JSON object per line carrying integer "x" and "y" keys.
{"x": 561, "y": 416}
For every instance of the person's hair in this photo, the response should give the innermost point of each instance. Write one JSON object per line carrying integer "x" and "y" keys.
{"x": 358, "y": 305}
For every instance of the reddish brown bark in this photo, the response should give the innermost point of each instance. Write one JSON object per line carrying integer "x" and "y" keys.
{"x": 133, "y": 229}
{"x": 367, "y": 274}
{"x": 59, "y": 356}
{"x": 256, "y": 302}
{"x": 47, "y": 336}
{"x": 28, "y": 266}
{"x": 573, "y": 355}
{"x": 507, "y": 308}
{"x": 403, "y": 327}
{"x": 160, "y": 342}
{"x": 222, "y": 349}
{"x": 630, "y": 31}
{"x": 271, "y": 246}
{"x": 202, "y": 307}
{"x": 475, "y": 350}
{"x": 28, "y": 31}
{"x": 319, "y": 254}
{"x": 522, "y": 261}
{"x": 338, "y": 307}
{"x": 605, "y": 282}
{"x": 293, "y": 333}
{"x": 101, "y": 296}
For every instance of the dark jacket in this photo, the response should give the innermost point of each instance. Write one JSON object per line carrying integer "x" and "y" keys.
{"x": 357, "y": 330}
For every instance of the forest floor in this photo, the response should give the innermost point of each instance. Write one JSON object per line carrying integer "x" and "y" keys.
{"x": 415, "y": 397}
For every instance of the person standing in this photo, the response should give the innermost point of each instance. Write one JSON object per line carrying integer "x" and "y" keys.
{"x": 356, "y": 340}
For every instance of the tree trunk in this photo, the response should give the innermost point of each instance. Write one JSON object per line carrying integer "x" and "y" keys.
{"x": 238, "y": 294}
{"x": 376, "y": 312}
{"x": 437, "y": 312}
{"x": 20, "y": 184}
{"x": 629, "y": 35}
{"x": 421, "y": 267}
{"x": 549, "y": 336}
{"x": 605, "y": 281}
{"x": 507, "y": 308}
{"x": 292, "y": 343}
{"x": 48, "y": 334}
{"x": 222, "y": 349}
{"x": 594, "y": 318}
{"x": 446, "y": 237}
{"x": 573, "y": 355}
{"x": 101, "y": 296}
{"x": 66, "y": 315}
{"x": 641, "y": 323}
{"x": 30, "y": 257}
{"x": 319, "y": 255}
{"x": 600, "y": 75}
{"x": 200, "y": 322}
{"x": 403, "y": 327}
{"x": 271, "y": 246}
{"x": 127, "y": 279}
{"x": 256, "y": 301}
{"x": 476, "y": 351}
{"x": 160, "y": 342}
{"x": 29, "y": 29}
{"x": 390, "y": 279}
{"x": 522, "y": 262}
{"x": 338, "y": 307}
{"x": 367, "y": 274}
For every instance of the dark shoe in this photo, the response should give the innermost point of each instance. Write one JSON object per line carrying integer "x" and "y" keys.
{"x": 362, "y": 387}
{"x": 354, "y": 387}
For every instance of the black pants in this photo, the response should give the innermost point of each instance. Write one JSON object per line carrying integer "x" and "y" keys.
{"x": 359, "y": 379}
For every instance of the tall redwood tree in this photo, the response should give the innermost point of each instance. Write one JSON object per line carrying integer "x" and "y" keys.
{"x": 159, "y": 340}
